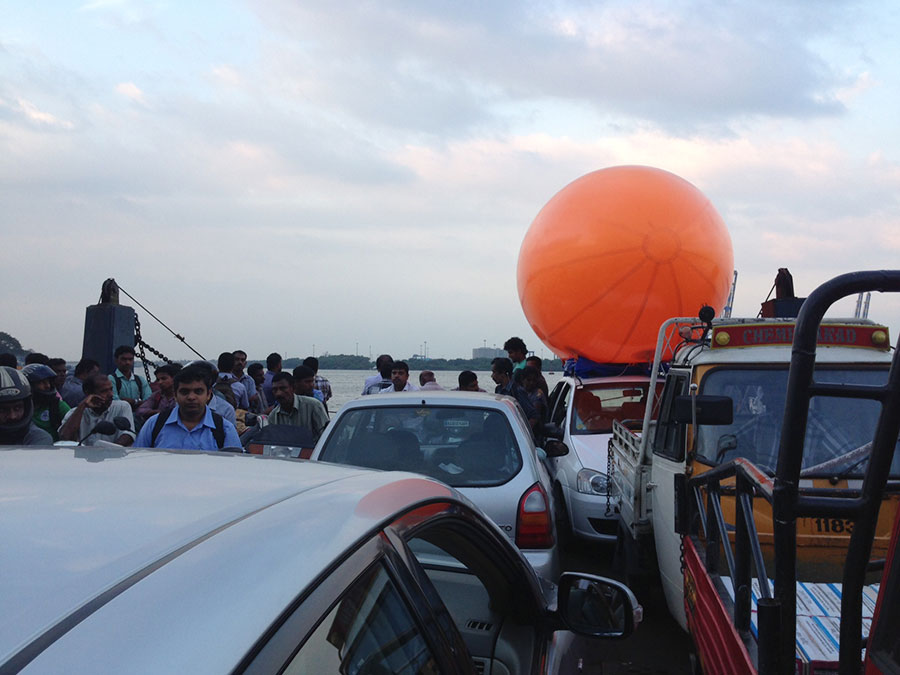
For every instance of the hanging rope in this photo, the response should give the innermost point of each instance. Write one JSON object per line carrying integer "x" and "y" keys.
{"x": 137, "y": 326}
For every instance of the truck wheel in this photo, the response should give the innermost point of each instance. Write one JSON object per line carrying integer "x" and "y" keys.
{"x": 561, "y": 516}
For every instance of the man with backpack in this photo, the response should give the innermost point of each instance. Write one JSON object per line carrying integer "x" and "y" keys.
{"x": 190, "y": 425}
{"x": 127, "y": 386}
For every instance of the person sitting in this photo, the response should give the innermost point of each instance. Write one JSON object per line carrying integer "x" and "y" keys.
{"x": 16, "y": 410}
{"x": 49, "y": 410}
{"x": 296, "y": 409}
{"x": 190, "y": 425}
{"x": 98, "y": 406}
{"x": 164, "y": 397}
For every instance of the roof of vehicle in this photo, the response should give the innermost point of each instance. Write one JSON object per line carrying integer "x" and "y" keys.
{"x": 615, "y": 379}
{"x": 183, "y": 548}
{"x": 768, "y": 340}
{"x": 475, "y": 399}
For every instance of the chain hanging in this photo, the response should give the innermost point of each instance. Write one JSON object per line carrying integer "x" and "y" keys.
{"x": 141, "y": 345}
{"x": 610, "y": 464}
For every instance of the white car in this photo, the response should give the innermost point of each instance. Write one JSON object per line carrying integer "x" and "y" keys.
{"x": 581, "y": 414}
{"x": 154, "y": 561}
{"x": 478, "y": 443}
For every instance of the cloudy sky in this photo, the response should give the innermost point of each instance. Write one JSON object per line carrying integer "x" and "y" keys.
{"x": 300, "y": 175}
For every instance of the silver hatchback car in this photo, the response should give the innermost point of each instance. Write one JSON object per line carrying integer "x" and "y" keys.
{"x": 153, "y": 561}
{"x": 479, "y": 444}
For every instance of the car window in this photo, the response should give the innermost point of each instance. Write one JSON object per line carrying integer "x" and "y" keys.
{"x": 558, "y": 412}
{"x": 490, "y": 604}
{"x": 460, "y": 446}
{"x": 370, "y": 630}
{"x": 668, "y": 441}
{"x": 596, "y": 406}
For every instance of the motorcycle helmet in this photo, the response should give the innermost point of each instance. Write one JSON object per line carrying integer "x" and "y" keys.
{"x": 36, "y": 372}
{"x": 15, "y": 387}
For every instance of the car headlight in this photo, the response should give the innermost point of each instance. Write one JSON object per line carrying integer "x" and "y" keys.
{"x": 592, "y": 482}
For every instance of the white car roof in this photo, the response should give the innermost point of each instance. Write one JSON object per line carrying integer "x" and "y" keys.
{"x": 475, "y": 399}
{"x": 172, "y": 548}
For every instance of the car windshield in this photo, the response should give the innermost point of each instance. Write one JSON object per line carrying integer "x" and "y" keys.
{"x": 460, "y": 446}
{"x": 597, "y": 405}
{"x": 837, "y": 432}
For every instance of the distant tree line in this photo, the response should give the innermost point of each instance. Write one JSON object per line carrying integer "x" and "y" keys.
{"x": 9, "y": 344}
{"x": 353, "y": 362}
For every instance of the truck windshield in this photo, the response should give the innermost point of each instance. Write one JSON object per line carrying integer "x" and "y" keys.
{"x": 837, "y": 431}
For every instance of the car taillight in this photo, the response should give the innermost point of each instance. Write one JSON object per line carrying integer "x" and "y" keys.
{"x": 534, "y": 526}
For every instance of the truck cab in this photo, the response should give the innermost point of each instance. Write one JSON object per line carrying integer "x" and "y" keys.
{"x": 723, "y": 398}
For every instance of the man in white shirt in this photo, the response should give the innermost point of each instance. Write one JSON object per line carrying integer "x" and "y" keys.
{"x": 375, "y": 383}
{"x": 97, "y": 406}
{"x": 400, "y": 379}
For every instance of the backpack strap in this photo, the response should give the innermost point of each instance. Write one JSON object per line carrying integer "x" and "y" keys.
{"x": 137, "y": 380}
{"x": 218, "y": 429}
{"x": 161, "y": 419}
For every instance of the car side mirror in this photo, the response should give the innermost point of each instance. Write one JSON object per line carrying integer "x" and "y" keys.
{"x": 714, "y": 410}
{"x": 596, "y": 606}
{"x": 553, "y": 430}
{"x": 121, "y": 423}
{"x": 555, "y": 448}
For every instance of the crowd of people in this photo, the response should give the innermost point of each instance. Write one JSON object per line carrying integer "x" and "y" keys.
{"x": 206, "y": 406}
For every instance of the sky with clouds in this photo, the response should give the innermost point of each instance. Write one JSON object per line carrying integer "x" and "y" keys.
{"x": 331, "y": 176}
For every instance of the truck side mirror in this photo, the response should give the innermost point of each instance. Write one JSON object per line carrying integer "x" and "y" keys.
{"x": 716, "y": 410}
{"x": 596, "y": 606}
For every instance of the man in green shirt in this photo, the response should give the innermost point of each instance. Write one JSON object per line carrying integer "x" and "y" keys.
{"x": 296, "y": 410}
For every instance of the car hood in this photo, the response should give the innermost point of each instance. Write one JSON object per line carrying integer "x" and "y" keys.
{"x": 592, "y": 450}
{"x": 76, "y": 522}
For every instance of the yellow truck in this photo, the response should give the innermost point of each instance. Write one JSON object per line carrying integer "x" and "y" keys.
{"x": 723, "y": 398}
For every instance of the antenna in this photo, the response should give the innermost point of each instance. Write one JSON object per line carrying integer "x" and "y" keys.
{"x": 726, "y": 311}
{"x": 862, "y": 306}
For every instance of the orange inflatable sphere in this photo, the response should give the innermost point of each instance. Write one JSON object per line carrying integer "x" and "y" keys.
{"x": 614, "y": 254}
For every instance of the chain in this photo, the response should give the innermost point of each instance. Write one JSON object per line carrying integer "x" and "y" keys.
{"x": 609, "y": 476}
{"x": 141, "y": 345}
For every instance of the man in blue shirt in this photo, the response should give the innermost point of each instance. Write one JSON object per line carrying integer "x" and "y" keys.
{"x": 190, "y": 425}
{"x": 127, "y": 386}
